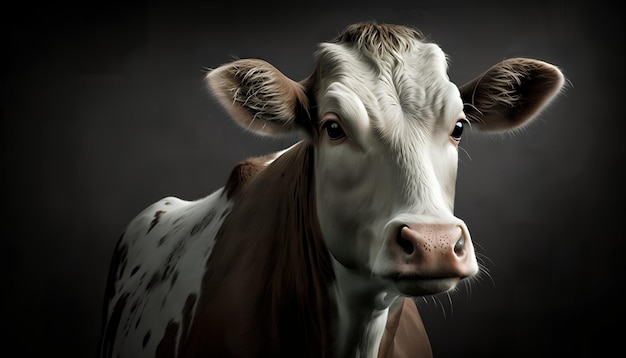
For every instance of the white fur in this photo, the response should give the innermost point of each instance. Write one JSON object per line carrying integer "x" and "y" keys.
{"x": 164, "y": 302}
{"x": 403, "y": 161}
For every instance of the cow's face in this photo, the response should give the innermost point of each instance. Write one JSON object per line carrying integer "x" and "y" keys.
{"x": 390, "y": 123}
{"x": 386, "y": 123}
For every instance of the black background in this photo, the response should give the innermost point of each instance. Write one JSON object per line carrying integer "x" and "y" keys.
{"x": 104, "y": 112}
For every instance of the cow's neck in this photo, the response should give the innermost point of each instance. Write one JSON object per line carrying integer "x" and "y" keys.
{"x": 363, "y": 306}
{"x": 271, "y": 283}
{"x": 359, "y": 303}
{"x": 265, "y": 290}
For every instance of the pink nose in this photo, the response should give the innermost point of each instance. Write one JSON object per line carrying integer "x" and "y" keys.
{"x": 436, "y": 250}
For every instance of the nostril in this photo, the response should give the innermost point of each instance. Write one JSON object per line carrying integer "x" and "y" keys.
{"x": 405, "y": 244}
{"x": 460, "y": 245}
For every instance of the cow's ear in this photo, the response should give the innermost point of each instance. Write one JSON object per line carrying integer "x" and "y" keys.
{"x": 510, "y": 93}
{"x": 258, "y": 96}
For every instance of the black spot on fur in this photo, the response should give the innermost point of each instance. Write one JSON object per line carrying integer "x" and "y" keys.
{"x": 161, "y": 241}
{"x": 156, "y": 277}
{"x": 141, "y": 304}
{"x": 122, "y": 268}
{"x": 206, "y": 220}
{"x": 174, "y": 278}
{"x": 178, "y": 224}
{"x": 134, "y": 271}
{"x": 187, "y": 312}
{"x": 172, "y": 259}
{"x": 146, "y": 338}
{"x": 157, "y": 217}
{"x": 167, "y": 272}
{"x": 120, "y": 260}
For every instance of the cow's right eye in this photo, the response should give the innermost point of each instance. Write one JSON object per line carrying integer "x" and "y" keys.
{"x": 334, "y": 131}
{"x": 457, "y": 131}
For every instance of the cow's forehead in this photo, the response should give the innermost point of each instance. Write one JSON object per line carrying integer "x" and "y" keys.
{"x": 398, "y": 77}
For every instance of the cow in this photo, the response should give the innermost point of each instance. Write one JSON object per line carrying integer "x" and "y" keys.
{"x": 319, "y": 249}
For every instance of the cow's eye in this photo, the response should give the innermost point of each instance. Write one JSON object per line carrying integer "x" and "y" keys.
{"x": 334, "y": 131}
{"x": 457, "y": 131}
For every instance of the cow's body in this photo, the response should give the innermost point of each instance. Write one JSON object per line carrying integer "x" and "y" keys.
{"x": 310, "y": 251}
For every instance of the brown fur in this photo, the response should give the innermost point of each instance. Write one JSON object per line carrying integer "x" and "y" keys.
{"x": 243, "y": 173}
{"x": 167, "y": 346}
{"x": 266, "y": 293}
{"x": 405, "y": 334}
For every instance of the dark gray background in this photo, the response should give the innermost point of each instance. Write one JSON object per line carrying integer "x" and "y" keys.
{"x": 104, "y": 112}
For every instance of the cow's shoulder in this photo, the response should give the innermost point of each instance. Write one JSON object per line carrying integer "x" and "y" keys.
{"x": 134, "y": 239}
{"x": 157, "y": 269}
{"x": 146, "y": 223}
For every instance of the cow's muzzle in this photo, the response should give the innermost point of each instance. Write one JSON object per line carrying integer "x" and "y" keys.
{"x": 431, "y": 258}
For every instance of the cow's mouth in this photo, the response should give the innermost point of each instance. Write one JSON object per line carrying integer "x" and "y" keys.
{"x": 417, "y": 285}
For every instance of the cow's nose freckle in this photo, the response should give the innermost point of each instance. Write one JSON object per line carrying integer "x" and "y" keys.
{"x": 460, "y": 245}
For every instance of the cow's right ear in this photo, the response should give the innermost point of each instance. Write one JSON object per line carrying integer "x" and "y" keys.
{"x": 259, "y": 97}
{"x": 510, "y": 93}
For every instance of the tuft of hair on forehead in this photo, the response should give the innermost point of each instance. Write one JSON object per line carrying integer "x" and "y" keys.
{"x": 379, "y": 38}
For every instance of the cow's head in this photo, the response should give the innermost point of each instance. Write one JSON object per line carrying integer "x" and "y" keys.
{"x": 386, "y": 123}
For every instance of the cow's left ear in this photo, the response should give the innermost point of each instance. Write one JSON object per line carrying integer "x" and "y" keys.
{"x": 258, "y": 96}
{"x": 510, "y": 93}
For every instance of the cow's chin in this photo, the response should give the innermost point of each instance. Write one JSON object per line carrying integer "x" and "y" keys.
{"x": 421, "y": 286}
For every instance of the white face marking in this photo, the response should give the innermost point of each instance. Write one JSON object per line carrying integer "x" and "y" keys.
{"x": 397, "y": 159}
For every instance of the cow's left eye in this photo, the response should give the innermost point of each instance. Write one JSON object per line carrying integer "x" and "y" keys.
{"x": 457, "y": 131}
{"x": 334, "y": 131}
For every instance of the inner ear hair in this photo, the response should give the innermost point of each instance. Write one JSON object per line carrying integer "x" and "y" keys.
{"x": 511, "y": 93}
{"x": 258, "y": 96}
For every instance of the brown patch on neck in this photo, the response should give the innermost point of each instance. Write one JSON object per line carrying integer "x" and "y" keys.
{"x": 243, "y": 173}
{"x": 265, "y": 290}
{"x": 405, "y": 334}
